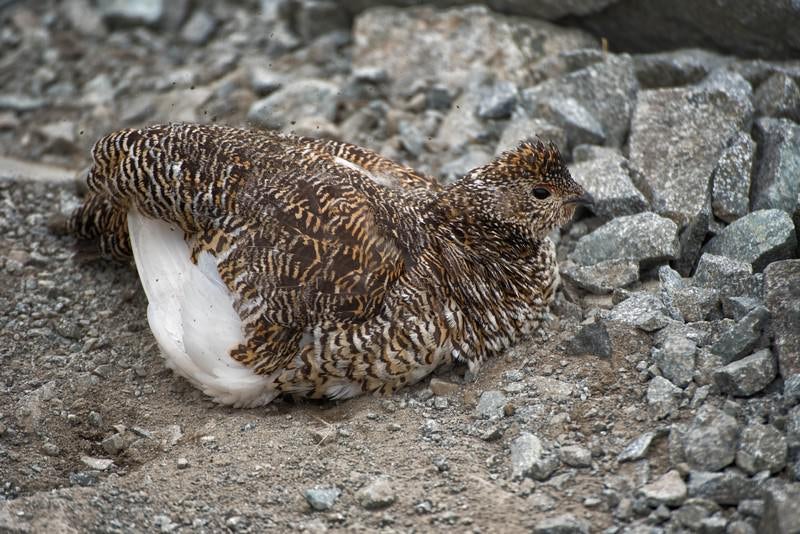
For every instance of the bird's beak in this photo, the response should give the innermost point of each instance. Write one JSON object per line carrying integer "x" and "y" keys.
{"x": 584, "y": 199}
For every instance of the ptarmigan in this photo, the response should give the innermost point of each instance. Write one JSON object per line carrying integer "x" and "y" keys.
{"x": 281, "y": 264}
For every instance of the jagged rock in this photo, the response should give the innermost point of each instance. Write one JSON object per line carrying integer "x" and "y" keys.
{"x": 303, "y": 98}
{"x": 520, "y": 128}
{"x": 782, "y": 298}
{"x": 728, "y": 276}
{"x": 497, "y": 101}
{"x": 668, "y": 489}
{"x": 607, "y": 90}
{"x": 642, "y": 310}
{"x": 474, "y": 156}
{"x": 675, "y": 359}
{"x": 677, "y": 137}
{"x": 377, "y": 494}
{"x": 761, "y": 447}
{"x": 561, "y": 524}
{"x": 737, "y": 307}
{"x": 466, "y": 40}
{"x": 758, "y": 238}
{"x": 710, "y": 441}
{"x": 741, "y": 338}
{"x": 696, "y": 303}
{"x": 132, "y": 13}
{"x": 662, "y": 397}
{"x": 575, "y": 456}
{"x": 645, "y": 238}
{"x": 778, "y": 96}
{"x": 602, "y": 278}
{"x": 592, "y": 338}
{"x": 781, "y": 512}
{"x": 775, "y": 177}
{"x": 608, "y": 180}
{"x": 529, "y": 458}
{"x": 577, "y": 122}
{"x": 747, "y": 376}
{"x": 728, "y": 488}
{"x": 731, "y": 179}
{"x": 491, "y": 404}
{"x": 676, "y": 67}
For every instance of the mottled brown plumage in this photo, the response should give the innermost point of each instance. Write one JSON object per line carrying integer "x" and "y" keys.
{"x": 350, "y": 273}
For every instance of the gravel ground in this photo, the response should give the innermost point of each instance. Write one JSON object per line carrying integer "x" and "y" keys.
{"x": 663, "y": 394}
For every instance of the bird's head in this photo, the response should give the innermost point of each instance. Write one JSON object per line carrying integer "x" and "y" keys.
{"x": 528, "y": 187}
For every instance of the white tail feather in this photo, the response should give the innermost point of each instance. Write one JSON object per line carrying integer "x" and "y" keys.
{"x": 191, "y": 314}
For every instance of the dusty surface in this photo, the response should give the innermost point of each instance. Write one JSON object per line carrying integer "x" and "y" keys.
{"x": 74, "y": 341}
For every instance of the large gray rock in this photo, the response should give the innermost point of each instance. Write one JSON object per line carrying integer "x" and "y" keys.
{"x": 740, "y": 340}
{"x": 758, "y": 238}
{"x": 491, "y": 404}
{"x": 728, "y": 276}
{"x": 530, "y": 459}
{"x": 676, "y": 67}
{"x": 602, "y": 278}
{"x": 747, "y": 376}
{"x": 675, "y": 359}
{"x": 607, "y": 90}
{"x": 778, "y": 96}
{"x": 577, "y": 122}
{"x": 761, "y": 448}
{"x": 662, "y": 397}
{"x": 561, "y": 524}
{"x": 592, "y": 338}
{"x": 776, "y": 178}
{"x": 782, "y": 298}
{"x": 131, "y": 13}
{"x": 677, "y": 137}
{"x": 463, "y": 40}
{"x": 668, "y": 489}
{"x": 378, "y": 494}
{"x": 294, "y": 101}
{"x": 645, "y": 238}
{"x": 728, "y": 488}
{"x": 731, "y": 179}
{"x": 609, "y": 182}
{"x": 781, "y": 512}
{"x": 520, "y": 128}
{"x": 759, "y": 28}
{"x": 710, "y": 442}
{"x": 642, "y": 310}
{"x": 497, "y": 101}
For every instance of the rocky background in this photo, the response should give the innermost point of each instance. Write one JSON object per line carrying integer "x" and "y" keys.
{"x": 662, "y": 396}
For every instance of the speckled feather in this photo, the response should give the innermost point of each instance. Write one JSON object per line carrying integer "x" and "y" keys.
{"x": 350, "y": 273}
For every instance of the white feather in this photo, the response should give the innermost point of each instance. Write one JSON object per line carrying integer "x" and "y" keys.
{"x": 191, "y": 314}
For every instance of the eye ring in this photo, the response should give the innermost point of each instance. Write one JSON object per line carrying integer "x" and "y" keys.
{"x": 541, "y": 193}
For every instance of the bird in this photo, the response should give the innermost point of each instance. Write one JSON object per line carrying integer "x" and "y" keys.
{"x": 275, "y": 264}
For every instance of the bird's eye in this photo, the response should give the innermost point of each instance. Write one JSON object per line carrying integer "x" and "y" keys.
{"x": 541, "y": 193}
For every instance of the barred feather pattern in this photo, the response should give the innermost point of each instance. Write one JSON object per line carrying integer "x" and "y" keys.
{"x": 350, "y": 273}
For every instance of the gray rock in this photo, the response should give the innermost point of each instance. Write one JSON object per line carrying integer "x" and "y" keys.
{"x": 580, "y": 126}
{"x": 113, "y": 444}
{"x": 303, "y": 98}
{"x": 751, "y": 507}
{"x": 575, "y": 456}
{"x": 21, "y": 102}
{"x": 644, "y": 237}
{"x": 460, "y": 129}
{"x": 675, "y": 68}
{"x": 793, "y": 429}
{"x": 607, "y": 90}
{"x": 696, "y": 303}
{"x": 529, "y": 458}
{"x": 313, "y": 18}
{"x": 491, "y": 404}
{"x": 740, "y": 340}
{"x": 322, "y": 498}
{"x": 737, "y": 307}
{"x": 498, "y": 101}
{"x": 474, "y": 156}
{"x": 677, "y": 137}
{"x": 694, "y": 512}
{"x": 131, "y": 12}
{"x": 728, "y": 488}
{"x": 520, "y": 128}
{"x": 637, "y": 449}
{"x": 593, "y": 339}
{"x": 778, "y": 96}
{"x": 762, "y": 28}
{"x": 761, "y": 448}
{"x": 609, "y": 182}
{"x": 602, "y": 278}
{"x": 668, "y": 489}
{"x": 675, "y": 359}
{"x": 782, "y": 298}
{"x": 377, "y": 494}
{"x": 758, "y": 238}
{"x": 731, "y": 178}
{"x": 747, "y": 376}
{"x": 662, "y": 397}
{"x": 781, "y": 512}
{"x": 561, "y": 524}
{"x": 199, "y": 28}
{"x": 728, "y": 276}
{"x": 466, "y": 40}
{"x": 791, "y": 389}
{"x": 642, "y": 310}
{"x": 710, "y": 441}
{"x": 84, "y": 18}
{"x": 775, "y": 177}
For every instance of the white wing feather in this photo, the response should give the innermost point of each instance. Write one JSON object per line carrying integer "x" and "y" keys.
{"x": 191, "y": 314}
